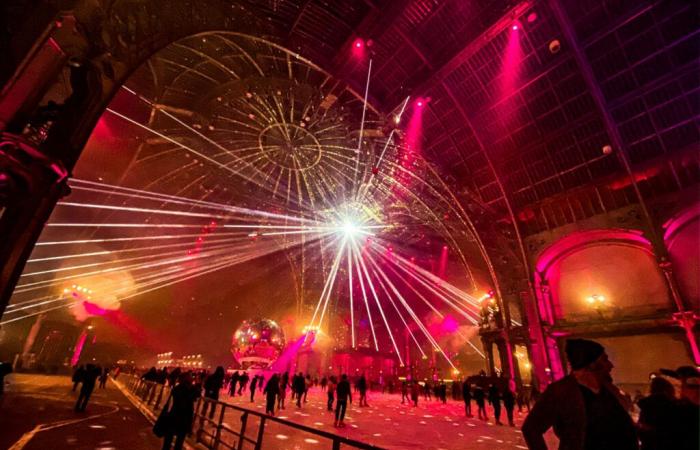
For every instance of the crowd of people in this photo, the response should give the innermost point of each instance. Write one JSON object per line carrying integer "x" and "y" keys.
{"x": 480, "y": 389}
{"x": 585, "y": 409}
{"x": 275, "y": 391}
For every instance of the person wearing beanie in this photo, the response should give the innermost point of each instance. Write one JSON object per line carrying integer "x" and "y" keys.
{"x": 585, "y": 409}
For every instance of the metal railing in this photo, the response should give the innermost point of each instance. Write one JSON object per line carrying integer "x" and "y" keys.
{"x": 212, "y": 429}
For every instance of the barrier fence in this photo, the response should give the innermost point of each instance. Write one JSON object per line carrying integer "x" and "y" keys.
{"x": 213, "y": 423}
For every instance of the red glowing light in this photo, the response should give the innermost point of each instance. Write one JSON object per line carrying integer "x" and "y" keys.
{"x": 359, "y": 43}
{"x": 515, "y": 27}
{"x": 532, "y": 17}
{"x": 419, "y": 103}
{"x": 93, "y": 309}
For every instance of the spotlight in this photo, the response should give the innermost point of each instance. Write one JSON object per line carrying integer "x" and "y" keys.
{"x": 359, "y": 43}
{"x": 515, "y": 27}
{"x": 349, "y": 228}
{"x": 419, "y": 103}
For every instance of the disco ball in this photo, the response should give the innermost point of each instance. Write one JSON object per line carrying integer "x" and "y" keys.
{"x": 257, "y": 343}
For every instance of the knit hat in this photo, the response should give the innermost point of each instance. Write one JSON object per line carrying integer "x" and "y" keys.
{"x": 582, "y": 352}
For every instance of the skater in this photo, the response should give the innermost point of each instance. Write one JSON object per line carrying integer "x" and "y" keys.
{"x": 283, "y": 391}
{"x": 253, "y": 386}
{"x": 181, "y": 414}
{"x": 330, "y": 391}
{"x": 103, "y": 378}
{"x": 299, "y": 387}
{"x": 307, "y": 386}
{"x": 362, "y": 387}
{"x": 344, "y": 394}
{"x": 271, "y": 390}
{"x": 212, "y": 386}
{"x": 232, "y": 384}
{"x": 509, "y": 403}
{"x": 467, "y": 397}
{"x": 427, "y": 390}
{"x": 243, "y": 382}
{"x": 404, "y": 392}
{"x": 495, "y": 401}
{"x": 442, "y": 390}
{"x": 479, "y": 397}
{"x": 88, "y": 379}
{"x": 78, "y": 376}
{"x": 415, "y": 391}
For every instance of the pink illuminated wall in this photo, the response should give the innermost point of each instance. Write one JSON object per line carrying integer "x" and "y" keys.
{"x": 683, "y": 243}
{"x": 626, "y": 276}
{"x": 615, "y": 264}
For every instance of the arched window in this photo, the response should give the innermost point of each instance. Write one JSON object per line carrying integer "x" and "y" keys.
{"x": 609, "y": 274}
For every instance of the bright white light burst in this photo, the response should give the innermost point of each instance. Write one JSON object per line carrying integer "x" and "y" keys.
{"x": 350, "y": 229}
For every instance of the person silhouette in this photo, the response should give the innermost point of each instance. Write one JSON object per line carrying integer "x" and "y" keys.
{"x": 103, "y": 377}
{"x": 243, "y": 382}
{"x": 467, "y": 397}
{"x": 88, "y": 385}
{"x": 78, "y": 376}
{"x": 5, "y": 369}
{"x": 212, "y": 387}
{"x": 479, "y": 397}
{"x": 181, "y": 413}
{"x": 495, "y": 401}
{"x": 271, "y": 391}
{"x": 415, "y": 390}
{"x": 299, "y": 387}
{"x": 585, "y": 409}
{"x": 284, "y": 381}
{"x": 253, "y": 386}
{"x": 509, "y": 401}
{"x": 343, "y": 394}
{"x": 232, "y": 385}
{"x": 330, "y": 392}
{"x": 362, "y": 388}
